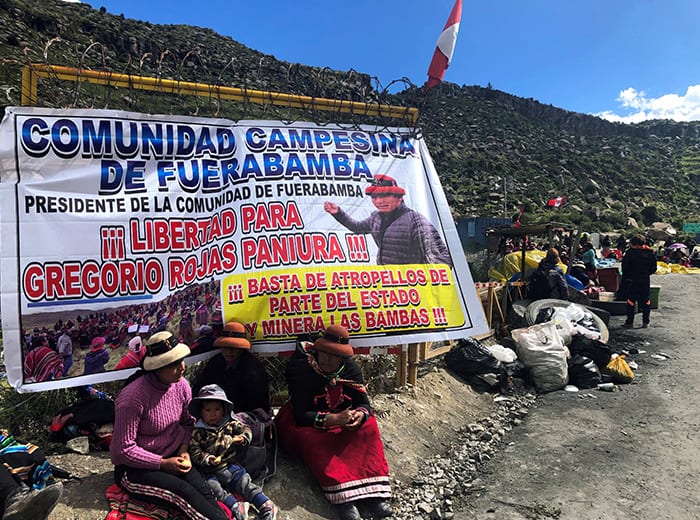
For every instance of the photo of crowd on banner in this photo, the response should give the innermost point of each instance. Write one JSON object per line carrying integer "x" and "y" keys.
{"x": 88, "y": 343}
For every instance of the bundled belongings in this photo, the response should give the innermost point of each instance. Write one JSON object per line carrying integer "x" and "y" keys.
{"x": 619, "y": 370}
{"x": 92, "y": 416}
{"x": 583, "y": 372}
{"x": 26, "y": 462}
{"x": 584, "y": 321}
{"x": 28, "y": 490}
{"x": 593, "y": 349}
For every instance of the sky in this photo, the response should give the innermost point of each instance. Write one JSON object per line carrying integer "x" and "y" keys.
{"x": 624, "y": 60}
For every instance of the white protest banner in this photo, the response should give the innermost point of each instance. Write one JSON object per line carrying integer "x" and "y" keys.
{"x": 112, "y": 219}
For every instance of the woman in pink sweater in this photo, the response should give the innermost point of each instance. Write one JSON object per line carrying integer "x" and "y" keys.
{"x": 152, "y": 428}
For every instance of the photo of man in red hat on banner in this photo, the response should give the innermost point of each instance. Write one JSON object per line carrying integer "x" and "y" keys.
{"x": 403, "y": 235}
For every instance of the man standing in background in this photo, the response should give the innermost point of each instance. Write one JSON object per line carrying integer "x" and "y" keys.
{"x": 638, "y": 264}
{"x": 64, "y": 345}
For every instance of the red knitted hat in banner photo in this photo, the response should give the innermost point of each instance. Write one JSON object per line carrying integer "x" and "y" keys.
{"x": 384, "y": 185}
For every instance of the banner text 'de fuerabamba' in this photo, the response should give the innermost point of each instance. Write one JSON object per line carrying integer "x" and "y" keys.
{"x": 200, "y": 158}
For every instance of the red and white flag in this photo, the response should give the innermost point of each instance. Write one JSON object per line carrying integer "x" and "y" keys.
{"x": 556, "y": 202}
{"x": 445, "y": 47}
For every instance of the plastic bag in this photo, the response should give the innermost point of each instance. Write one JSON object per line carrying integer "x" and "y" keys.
{"x": 502, "y": 354}
{"x": 583, "y": 372}
{"x": 471, "y": 360}
{"x": 587, "y": 332}
{"x": 620, "y": 370}
{"x": 561, "y": 319}
{"x": 575, "y": 312}
{"x": 564, "y": 325}
{"x": 542, "y": 350}
{"x": 545, "y": 315}
{"x": 596, "y": 350}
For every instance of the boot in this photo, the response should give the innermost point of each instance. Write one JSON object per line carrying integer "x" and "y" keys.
{"x": 378, "y": 508}
{"x": 268, "y": 511}
{"x": 348, "y": 511}
{"x": 239, "y": 511}
{"x": 32, "y": 503}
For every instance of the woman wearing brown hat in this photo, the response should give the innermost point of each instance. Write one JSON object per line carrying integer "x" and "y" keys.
{"x": 329, "y": 423}
{"x": 152, "y": 429}
{"x": 237, "y": 371}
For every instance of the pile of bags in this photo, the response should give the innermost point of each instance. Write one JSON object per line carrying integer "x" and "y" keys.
{"x": 563, "y": 347}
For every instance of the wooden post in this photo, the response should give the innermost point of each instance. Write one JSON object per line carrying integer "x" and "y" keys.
{"x": 401, "y": 368}
{"x": 491, "y": 302}
{"x": 413, "y": 359}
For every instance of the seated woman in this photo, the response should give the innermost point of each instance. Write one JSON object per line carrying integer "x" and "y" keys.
{"x": 135, "y": 354}
{"x": 329, "y": 423}
{"x": 152, "y": 430}
{"x": 235, "y": 369}
{"x": 578, "y": 271}
{"x": 547, "y": 281}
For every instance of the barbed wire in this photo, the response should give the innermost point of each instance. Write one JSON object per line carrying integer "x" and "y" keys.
{"x": 265, "y": 74}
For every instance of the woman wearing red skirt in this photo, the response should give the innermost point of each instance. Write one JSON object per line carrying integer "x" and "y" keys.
{"x": 329, "y": 423}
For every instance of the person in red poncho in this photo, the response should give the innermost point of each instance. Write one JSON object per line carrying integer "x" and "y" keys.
{"x": 329, "y": 423}
{"x": 133, "y": 357}
{"x": 42, "y": 364}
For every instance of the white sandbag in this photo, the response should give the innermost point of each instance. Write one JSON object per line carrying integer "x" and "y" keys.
{"x": 542, "y": 351}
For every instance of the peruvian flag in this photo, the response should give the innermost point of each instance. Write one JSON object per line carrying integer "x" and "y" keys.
{"x": 556, "y": 202}
{"x": 445, "y": 47}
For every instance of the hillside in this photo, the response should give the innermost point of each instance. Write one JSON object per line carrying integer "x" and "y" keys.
{"x": 493, "y": 151}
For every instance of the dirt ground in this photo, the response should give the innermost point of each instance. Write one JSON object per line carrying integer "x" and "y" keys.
{"x": 627, "y": 454}
{"x": 630, "y": 454}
